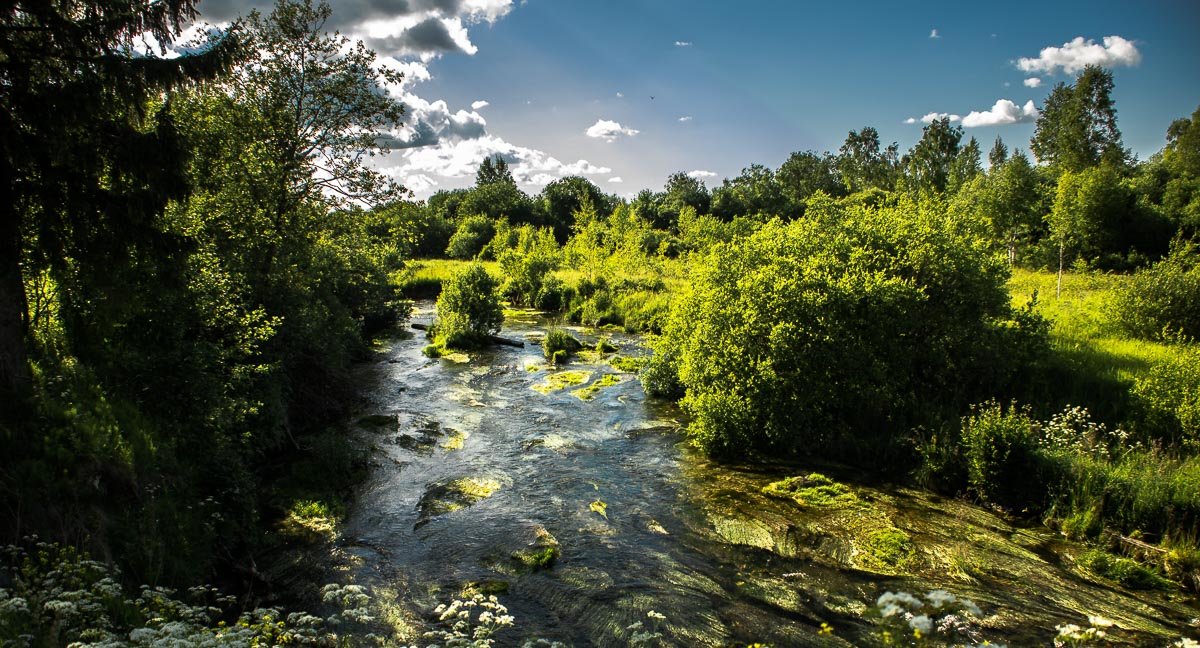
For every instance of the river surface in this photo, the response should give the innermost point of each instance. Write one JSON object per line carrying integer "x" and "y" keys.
{"x": 641, "y": 522}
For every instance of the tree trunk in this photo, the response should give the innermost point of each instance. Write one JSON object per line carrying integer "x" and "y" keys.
{"x": 1062, "y": 250}
{"x": 14, "y": 362}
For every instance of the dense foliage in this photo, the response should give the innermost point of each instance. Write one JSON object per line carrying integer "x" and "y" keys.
{"x": 468, "y": 310}
{"x": 858, "y": 323}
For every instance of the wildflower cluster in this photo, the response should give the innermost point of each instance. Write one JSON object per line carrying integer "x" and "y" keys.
{"x": 1073, "y": 635}
{"x": 463, "y": 627}
{"x": 937, "y": 619}
{"x": 53, "y": 595}
{"x": 645, "y": 634}
{"x": 1073, "y": 430}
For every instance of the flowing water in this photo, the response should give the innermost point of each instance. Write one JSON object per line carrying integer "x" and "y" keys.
{"x": 641, "y": 522}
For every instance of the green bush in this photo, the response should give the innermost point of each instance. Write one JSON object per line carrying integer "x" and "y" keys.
{"x": 1170, "y": 396}
{"x": 559, "y": 344}
{"x": 468, "y": 310}
{"x": 527, "y": 266}
{"x": 835, "y": 335}
{"x": 1127, "y": 572}
{"x": 1163, "y": 301}
{"x": 472, "y": 235}
{"x": 1001, "y": 454}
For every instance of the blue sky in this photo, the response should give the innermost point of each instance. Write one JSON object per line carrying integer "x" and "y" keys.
{"x": 755, "y": 80}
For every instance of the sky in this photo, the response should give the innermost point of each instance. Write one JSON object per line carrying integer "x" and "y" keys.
{"x": 627, "y": 92}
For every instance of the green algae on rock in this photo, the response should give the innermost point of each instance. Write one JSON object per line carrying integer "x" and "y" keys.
{"x": 627, "y": 364}
{"x": 448, "y": 496}
{"x": 814, "y": 489}
{"x": 562, "y": 380}
{"x": 589, "y": 392}
{"x": 455, "y": 440}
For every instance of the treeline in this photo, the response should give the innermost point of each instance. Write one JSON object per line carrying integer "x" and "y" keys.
{"x": 1086, "y": 199}
{"x": 186, "y": 278}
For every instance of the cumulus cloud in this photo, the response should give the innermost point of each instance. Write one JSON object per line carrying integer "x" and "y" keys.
{"x": 427, "y": 28}
{"x": 685, "y": 118}
{"x": 609, "y": 130}
{"x": 1077, "y": 53}
{"x": 933, "y": 33}
{"x": 620, "y": 95}
{"x": 929, "y": 118}
{"x": 461, "y": 158}
{"x": 479, "y": 105}
{"x": 616, "y": 179}
{"x": 700, "y": 174}
{"x": 910, "y": 120}
{"x": 1002, "y": 113}
{"x": 1032, "y": 82}
{"x": 683, "y": 43}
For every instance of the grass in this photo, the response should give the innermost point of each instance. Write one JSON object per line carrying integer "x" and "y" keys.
{"x": 1082, "y": 328}
{"x": 423, "y": 279}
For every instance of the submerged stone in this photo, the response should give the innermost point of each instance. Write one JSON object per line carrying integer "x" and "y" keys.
{"x": 448, "y": 496}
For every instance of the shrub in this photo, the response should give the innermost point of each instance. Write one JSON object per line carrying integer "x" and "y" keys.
{"x": 473, "y": 233}
{"x": 1170, "y": 396}
{"x": 1163, "y": 301}
{"x": 559, "y": 344}
{"x": 468, "y": 310}
{"x": 831, "y": 335}
{"x": 527, "y": 266}
{"x": 1001, "y": 453}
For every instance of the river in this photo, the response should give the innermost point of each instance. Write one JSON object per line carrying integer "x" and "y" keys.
{"x": 602, "y": 513}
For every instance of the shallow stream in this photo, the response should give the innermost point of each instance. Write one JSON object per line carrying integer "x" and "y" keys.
{"x": 638, "y": 521}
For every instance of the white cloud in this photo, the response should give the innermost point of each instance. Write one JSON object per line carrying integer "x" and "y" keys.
{"x": 1002, "y": 113}
{"x": 616, "y": 179}
{"x": 929, "y": 118}
{"x": 683, "y": 43}
{"x": 620, "y": 95}
{"x": 1032, "y": 82}
{"x": 910, "y": 120}
{"x": 685, "y": 118}
{"x": 461, "y": 158}
{"x": 933, "y": 33}
{"x": 478, "y": 105}
{"x": 700, "y": 174}
{"x": 608, "y": 130}
{"x": 1077, "y": 53}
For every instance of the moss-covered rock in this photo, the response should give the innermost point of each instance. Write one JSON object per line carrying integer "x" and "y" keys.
{"x": 814, "y": 489}
{"x": 589, "y": 392}
{"x": 448, "y": 496}
{"x": 562, "y": 380}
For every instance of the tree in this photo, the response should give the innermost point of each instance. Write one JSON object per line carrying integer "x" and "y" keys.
{"x": 1084, "y": 206}
{"x": 319, "y": 107}
{"x": 560, "y": 200}
{"x": 863, "y": 164}
{"x": 83, "y": 160}
{"x": 754, "y": 192}
{"x": 928, "y": 164}
{"x": 1007, "y": 202}
{"x": 804, "y": 174}
{"x": 998, "y": 155}
{"x": 492, "y": 172}
{"x": 1077, "y": 128}
{"x": 965, "y": 166}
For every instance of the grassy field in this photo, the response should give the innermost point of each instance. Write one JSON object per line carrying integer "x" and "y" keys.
{"x": 1083, "y": 329}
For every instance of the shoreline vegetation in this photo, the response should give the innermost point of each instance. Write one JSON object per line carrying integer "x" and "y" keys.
{"x": 186, "y": 289}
